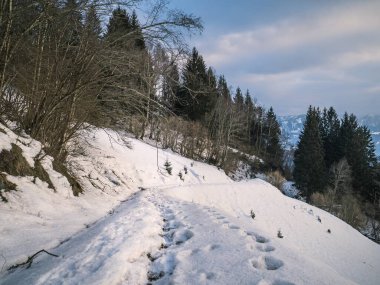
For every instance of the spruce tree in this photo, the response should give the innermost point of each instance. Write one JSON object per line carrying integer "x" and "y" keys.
{"x": 137, "y": 33}
{"x": 357, "y": 146}
{"x": 170, "y": 85}
{"x": 248, "y": 111}
{"x": 92, "y": 24}
{"x": 309, "y": 167}
{"x": 73, "y": 18}
{"x": 193, "y": 98}
{"x": 272, "y": 134}
{"x": 239, "y": 100}
{"x": 212, "y": 84}
{"x": 223, "y": 90}
{"x": 118, "y": 27}
{"x": 330, "y": 129}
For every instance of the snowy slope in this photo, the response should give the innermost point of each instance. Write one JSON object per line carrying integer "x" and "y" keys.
{"x": 196, "y": 231}
{"x": 109, "y": 172}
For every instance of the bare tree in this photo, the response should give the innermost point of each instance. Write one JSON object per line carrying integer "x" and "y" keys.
{"x": 60, "y": 76}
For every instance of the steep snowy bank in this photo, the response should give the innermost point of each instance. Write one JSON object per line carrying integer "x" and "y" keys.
{"x": 192, "y": 231}
{"x": 307, "y": 246}
{"x": 111, "y": 169}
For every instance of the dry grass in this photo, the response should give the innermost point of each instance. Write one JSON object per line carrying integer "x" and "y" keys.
{"x": 5, "y": 186}
{"x": 276, "y": 179}
{"x": 61, "y": 168}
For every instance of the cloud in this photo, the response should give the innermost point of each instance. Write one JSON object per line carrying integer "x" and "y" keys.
{"x": 355, "y": 58}
{"x": 324, "y": 55}
{"x": 359, "y": 21}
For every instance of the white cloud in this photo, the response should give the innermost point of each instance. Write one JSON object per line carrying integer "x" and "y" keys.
{"x": 334, "y": 25}
{"x": 354, "y": 58}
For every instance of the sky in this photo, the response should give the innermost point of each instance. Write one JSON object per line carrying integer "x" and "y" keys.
{"x": 292, "y": 53}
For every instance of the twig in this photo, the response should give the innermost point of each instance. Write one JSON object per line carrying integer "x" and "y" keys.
{"x": 30, "y": 259}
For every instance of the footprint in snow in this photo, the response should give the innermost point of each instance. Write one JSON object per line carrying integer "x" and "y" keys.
{"x": 261, "y": 239}
{"x": 250, "y": 247}
{"x": 233, "y": 227}
{"x": 266, "y": 262}
{"x": 211, "y": 247}
{"x": 227, "y": 225}
{"x": 282, "y": 282}
{"x": 267, "y": 248}
{"x": 173, "y": 224}
{"x": 161, "y": 267}
{"x": 205, "y": 276}
{"x": 182, "y": 235}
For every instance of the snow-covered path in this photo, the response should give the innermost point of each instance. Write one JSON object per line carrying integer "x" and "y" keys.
{"x": 204, "y": 246}
{"x": 111, "y": 251}
{"x": 155, "y": 238}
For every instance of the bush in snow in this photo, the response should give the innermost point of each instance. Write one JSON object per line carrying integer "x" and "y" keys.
{"x": 168, "y": 167}
{"x": 185, "y": 169}
{"x": 276, "y": 179}
{"x": 253, "y": 214}
{"x": 347, "y": 207}
{"x": 351, "y": 211}
{"x": 181, "y": 176}
{"x": 279, "y": 234}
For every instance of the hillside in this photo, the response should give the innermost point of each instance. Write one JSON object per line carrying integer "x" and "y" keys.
{"x": 134, "y": 223}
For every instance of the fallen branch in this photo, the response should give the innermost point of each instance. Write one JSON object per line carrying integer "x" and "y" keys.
{"x": 30, "y": 260}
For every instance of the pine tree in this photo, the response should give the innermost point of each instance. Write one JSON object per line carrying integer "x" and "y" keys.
{"x": 118, "y": 27}
{"x": 239, "y": 100}
{"x": 223, "y": 90}
{"x": 248, "y": 111}
{"x": 257, "y": 129}
{"x": 272, "y": 134}
{"x": 309, "y": 167}
{"x": 73, "y": 17}
{"x": 137, "y": 33}
{"x": 92, "y": 23}
{"x": 357, "y": 146}
{"x": 330, "y": 129}
{"x": 212, "y": 86}
{"x": 170, "y": 85}
{"x": 193, "y": 98}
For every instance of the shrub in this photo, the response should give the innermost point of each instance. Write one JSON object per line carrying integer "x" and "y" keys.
{"x": 327, "y": 201}
{"x": 276, "y": 179}
{"x": 318, "y": 199}
{"x": 181, "y": 176}
{"x": 253, "y": 215}
{"x": 5, "y": 186}
{"x": 279, "y": 234}
{"x": 346, "y": 208}
{"x": 168, "y": 167}
{"x": 351, "y": 211}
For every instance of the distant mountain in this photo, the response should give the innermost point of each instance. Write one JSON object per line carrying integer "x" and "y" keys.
{"x": 291, "y": 127}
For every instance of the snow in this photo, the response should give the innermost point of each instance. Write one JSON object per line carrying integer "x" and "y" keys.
{"x": 289, "y": 189}
{"x": 136, "y": 224}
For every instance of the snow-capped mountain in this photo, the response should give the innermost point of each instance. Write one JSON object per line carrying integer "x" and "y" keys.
{"x": 373, "y": 123}
{"x": 291, "y": 127}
